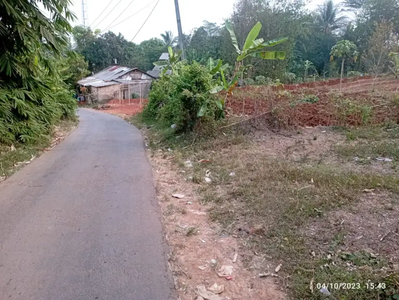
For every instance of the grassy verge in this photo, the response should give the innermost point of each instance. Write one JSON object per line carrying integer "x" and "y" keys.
{"x": 375, "y": 142}
{"x": 294, "y": 212}
{"x": 12, "y": 158}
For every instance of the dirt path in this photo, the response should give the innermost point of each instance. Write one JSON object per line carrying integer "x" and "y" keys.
{"x": 81, "y": 221}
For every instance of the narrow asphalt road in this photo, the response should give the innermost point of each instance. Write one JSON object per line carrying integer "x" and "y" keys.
{"x": 82, "y": 222}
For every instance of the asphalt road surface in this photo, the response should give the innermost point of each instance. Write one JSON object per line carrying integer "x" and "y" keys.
{"x": 82, "y": 222}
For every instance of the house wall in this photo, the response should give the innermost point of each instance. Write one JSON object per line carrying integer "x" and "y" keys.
{"x": 140, "y": 87}
{"x": 106, "y": 93}
{"x": 121, "y": 91}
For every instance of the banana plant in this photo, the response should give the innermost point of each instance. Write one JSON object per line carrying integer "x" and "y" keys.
{"x": 255, "y": 47}
{"x": 171, "y": 64}
{"x": 307, "y": 66}
{"x": 220, "y": 83}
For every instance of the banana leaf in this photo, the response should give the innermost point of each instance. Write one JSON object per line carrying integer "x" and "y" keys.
{"x": 253, "y": 34}
{"x": 233, "y": 36}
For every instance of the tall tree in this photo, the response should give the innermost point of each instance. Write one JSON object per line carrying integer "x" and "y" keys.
{"x": 152, "y": 50}
{"x": 380, "y": 45}
{"x": 168, "y": 39}
{"x": 329, "y": 17}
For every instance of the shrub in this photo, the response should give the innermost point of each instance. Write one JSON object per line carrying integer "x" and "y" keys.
{"x": 354, "y": 74}
{"x": 260, "y": 80}
{"x": 289, "y": 77}
{"x": 249, "y": 81}
{"x": 135, "y": 96}
{"x": 183, "y": 99}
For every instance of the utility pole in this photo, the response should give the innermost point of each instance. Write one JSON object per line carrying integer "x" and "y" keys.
{"x": 179, "y": 28}
{"x": 85, "y": 17}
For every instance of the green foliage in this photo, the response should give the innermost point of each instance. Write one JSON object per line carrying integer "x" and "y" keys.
{"x": 73, "y": 68}
{"x": 255, "y": 47}
{"x": 168, "y": 39}
{"x": 260, "y": 80}
{"x": 101, "y": 50}
{"x": 344, "y": 49}
{"x": 289, "y": 77}
{"x": 34, "y": 69}
{"x": 309, "y": 99}
{"x": 135, "y": 96}
{"x": 249, "y": 81}
{"x": 172, "y": 64}
{"x": 394, "y": 63}
{"x": 184, "y": 99}
{"x": 329, "y": 17}
{"x": 354, "y": 74}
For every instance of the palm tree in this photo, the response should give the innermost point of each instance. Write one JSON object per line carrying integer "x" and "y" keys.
{"x": 328, "y": 17}
{"x": 168, "y": 39}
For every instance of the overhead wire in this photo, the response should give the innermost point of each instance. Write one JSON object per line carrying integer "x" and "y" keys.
{"x": 156, "y": 4}
{"x": 109, "y": 12}
{"x": 123, "y": 11}
{"x": 101, "y": 13}
{"x": 131, "y": 15}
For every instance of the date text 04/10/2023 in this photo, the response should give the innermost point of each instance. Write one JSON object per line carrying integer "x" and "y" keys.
{"x": 351, "y": 286}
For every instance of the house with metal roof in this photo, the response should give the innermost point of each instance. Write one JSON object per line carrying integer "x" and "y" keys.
{"x": 156, "y": 71}
{"x": 116, "y": 82}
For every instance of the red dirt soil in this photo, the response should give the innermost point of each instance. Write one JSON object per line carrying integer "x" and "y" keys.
{"x": 289, "y": 103}
{"x": 124, "y": 108}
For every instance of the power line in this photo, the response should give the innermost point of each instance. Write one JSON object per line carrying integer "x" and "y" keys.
{"x": 131, "y": 15}
{"x": 119, "y": 15}
{"x": 101, "y": 13}
{"x": 109, "y": 12}
{"x": 156, "y": 4}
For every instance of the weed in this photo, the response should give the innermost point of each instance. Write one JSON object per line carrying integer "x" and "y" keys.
{"x": 192, "y": 230}
{"x": 309, "y": 99}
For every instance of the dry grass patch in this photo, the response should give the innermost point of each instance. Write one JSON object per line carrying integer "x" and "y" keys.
{"x": 278, "y": 194}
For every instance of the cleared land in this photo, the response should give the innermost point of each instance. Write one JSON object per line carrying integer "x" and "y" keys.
{"x": 307, "y": 193}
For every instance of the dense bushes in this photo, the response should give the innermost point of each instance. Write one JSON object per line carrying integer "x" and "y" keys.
{"x": 28, "y": 113}
{"x": 183, "y": 99}
{"x": 36, "y": 73}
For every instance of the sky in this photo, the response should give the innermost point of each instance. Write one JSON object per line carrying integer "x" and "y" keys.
{"x": 163, "y": 18}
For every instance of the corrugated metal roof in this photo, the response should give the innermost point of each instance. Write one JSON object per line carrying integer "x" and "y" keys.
{"x": 102, "y": 83}
{"x": 108, "y": 76}
{"x": 104, "y": 77}
{"x": 164, "y": 56}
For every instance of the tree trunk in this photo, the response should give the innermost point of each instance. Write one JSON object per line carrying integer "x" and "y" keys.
{"x": 342, "y": 74}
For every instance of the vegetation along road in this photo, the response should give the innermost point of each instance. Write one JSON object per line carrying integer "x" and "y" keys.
{"x": 81, "y": 222}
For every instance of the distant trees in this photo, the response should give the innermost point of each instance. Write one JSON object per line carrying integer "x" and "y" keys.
{"x": 101, "y": 50}
{"x": 311, "y": 36}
